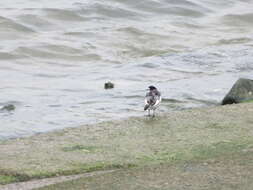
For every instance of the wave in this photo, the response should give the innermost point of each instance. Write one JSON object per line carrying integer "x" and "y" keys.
{"x": 8, "y": 25}
{"x": 56, "y": 56}
{"x": 238, "y": 19}
{"x": 57, "y": 53}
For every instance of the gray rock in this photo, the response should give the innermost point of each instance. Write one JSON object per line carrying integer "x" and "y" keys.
{"x": 8, "y": 107}
{"x": 109, "y": 85}
{"x": 241, "y": 91}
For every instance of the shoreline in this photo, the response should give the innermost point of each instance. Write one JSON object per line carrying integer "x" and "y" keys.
{"x": 160, "y": 114}
{"x": 192, "y": 134}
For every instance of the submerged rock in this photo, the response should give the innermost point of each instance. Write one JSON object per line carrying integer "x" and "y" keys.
{"x": 241, "y": 91}
{"x": 109, "y": 85}
{"x": 8, "y": 107}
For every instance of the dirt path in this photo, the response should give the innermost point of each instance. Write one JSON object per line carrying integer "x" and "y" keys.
{"x": 33, "y": 184}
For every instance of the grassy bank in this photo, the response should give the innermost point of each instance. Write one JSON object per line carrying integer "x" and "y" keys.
{"x": 231, "y": 171}
{"x": 178, "y": 137}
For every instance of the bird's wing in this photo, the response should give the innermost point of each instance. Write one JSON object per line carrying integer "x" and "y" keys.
{"x": 146, "y": 107}
{"x": 148, "y": 98}
{"x": 158, "y": 101}
{"x": 146, "y": 101}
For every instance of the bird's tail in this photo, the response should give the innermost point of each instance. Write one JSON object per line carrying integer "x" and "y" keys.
{"x": 146, "y": 107}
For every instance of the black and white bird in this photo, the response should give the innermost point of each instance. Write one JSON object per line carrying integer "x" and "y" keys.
{"x": 152, "y": 100}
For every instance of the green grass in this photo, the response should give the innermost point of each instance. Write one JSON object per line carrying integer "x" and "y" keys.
{"x": 5, "y": 179}
{"x": 84, "y": 168}
{"x": 86, "y": 149}
{"x": 225, "y": 154}
{"x": 10, "y": 177}
{"x": 220, "y": 149}
{"x": 197, "y": 153}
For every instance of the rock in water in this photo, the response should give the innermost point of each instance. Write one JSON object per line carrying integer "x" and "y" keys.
{"x": 8, "y": 107}
{"x": 241, "y": 91}
{"x": 109, "y": 85}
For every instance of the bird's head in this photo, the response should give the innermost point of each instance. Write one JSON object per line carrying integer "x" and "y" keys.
{"x": 152, "y": 88}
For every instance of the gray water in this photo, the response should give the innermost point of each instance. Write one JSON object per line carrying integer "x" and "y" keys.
{"x": 55, "y": 57}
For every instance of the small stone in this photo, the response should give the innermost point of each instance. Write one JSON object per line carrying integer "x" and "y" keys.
{"x": 8, "y": 107}
{"x": 109, "y": 85}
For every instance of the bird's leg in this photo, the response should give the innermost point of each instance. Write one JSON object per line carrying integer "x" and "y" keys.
{"x": 148, "y": 112}
{"x": 154, "y": 113}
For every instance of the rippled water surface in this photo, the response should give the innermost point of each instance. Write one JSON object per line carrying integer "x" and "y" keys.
{"x": 55, "y": 57}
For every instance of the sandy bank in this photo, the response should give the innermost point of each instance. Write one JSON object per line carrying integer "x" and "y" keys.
{"x": 171, "y": 138}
